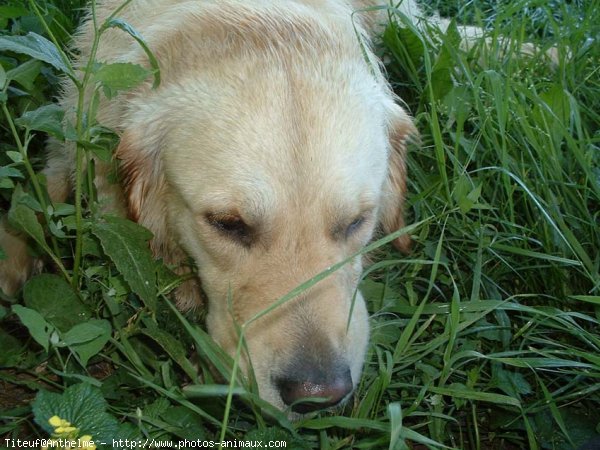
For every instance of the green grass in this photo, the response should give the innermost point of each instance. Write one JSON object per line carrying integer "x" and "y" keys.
{"x": 485, "y": 337}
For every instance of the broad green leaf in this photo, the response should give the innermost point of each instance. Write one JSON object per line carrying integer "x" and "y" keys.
{"x": 39, "y": 329}
{"x": 127, "y": 28}
{"x": 126, "y": 244}
{"x": 86, "y": 332}
{"x": 103, "y": 142}
{"x": 6, "y": 173}
{"x": 36, "y": 46}
{"x": 6, "y": 183}
{"x": 82, "y": 405}
{"x": 120, "y": 77}
{"x": 63, "y": 209}
{"x": 56, "y": 229}
{"x": 55, "y": 300}
{"x": 103, "y": 153}
{"x": 24, "y": 219}
{"x": 14, "y": 156}
{"x": 91, "y": 246}
{"x": 87, "y": 339}
{"x": 47, "y": 118}
{"x": 25, "y": 74}
{"x": 20, "y": 197}
{"x": 10, "y": 172}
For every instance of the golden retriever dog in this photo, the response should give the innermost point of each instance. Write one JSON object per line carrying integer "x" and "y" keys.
{"x": 272, "y": 149}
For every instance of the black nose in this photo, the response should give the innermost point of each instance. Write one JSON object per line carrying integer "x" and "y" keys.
{"x": 312, "y": 389}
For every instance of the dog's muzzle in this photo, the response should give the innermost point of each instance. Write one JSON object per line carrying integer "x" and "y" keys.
{"x": 317, "y": 377}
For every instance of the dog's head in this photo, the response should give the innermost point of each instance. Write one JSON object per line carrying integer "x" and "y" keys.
{"x": 268, "y": 171}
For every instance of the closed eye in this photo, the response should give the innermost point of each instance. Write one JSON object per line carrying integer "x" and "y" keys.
{"x": 355, "y": 226}
{"x": 232, "y": 226}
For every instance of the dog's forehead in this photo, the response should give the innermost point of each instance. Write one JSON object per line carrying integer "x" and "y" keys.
{"x": 320, "y": 178}
{"x": 281, "y": 136}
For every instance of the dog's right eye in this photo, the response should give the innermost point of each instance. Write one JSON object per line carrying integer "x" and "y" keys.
{"x": 232, "y": 226}
{"x": 354, "y": 226}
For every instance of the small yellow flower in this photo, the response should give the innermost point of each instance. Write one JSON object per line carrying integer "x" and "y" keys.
{"x": 86, "y": 442}
{"x": 63, "y": 429}
{"x": 56, "y": 422}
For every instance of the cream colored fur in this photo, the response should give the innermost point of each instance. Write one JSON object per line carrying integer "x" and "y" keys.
{"x": 271, "y": 112}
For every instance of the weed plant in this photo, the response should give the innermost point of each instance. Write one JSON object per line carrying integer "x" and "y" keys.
{"x": 485, "y": 337}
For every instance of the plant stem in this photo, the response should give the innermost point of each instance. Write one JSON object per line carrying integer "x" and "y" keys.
{"x": 82, "y": 128}
{"x": 53, "y": 252}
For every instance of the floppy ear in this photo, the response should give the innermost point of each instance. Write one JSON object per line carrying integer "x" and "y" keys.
{"x": 142, "y": 180}
{"x": 145, "y": 190}
{"x": 401, "y": 130}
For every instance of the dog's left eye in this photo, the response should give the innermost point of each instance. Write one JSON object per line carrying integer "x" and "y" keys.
{"x": 354, "y": 226}
{"x": 231, "y": 225}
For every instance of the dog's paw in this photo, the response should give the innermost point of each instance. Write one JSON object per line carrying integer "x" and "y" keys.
{"x": 188, "y": 296}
